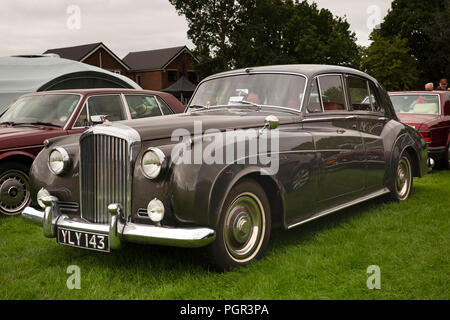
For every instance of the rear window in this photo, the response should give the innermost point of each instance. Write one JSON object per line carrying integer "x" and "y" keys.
{"x": 416, "y": 103}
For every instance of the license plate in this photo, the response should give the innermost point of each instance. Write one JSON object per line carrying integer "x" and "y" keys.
{"x": 84, "y": 240}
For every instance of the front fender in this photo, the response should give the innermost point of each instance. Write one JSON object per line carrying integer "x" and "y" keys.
{"x": 199, "y": 191}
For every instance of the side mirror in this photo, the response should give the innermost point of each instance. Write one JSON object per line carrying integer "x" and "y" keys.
{"x": 271, "y": 122}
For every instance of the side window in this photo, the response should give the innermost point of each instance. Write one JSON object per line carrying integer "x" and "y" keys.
{"x": 82, "y": 120}
{"x": 314, "y": 99}
{"x": 374, "y": 99}
{"x": 165, "y": 108}
{"x": 142, "y": 106}
{"x": 359, "y": 95}
{"x": 110, "y": 105}
{"x": 332, "y": 93}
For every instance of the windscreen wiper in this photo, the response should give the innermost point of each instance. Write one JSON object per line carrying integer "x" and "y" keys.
{"x": 42, "y": 123}
{"x": 7, "y": 123}
{"x": 34, "y": 123}
{"x": 258, "y": 106}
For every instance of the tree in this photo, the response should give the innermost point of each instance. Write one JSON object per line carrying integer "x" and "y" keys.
{"x": 390, "y": 62}
{"x": 241, "y": 33}
{"x": 283, "y": 32}
{"x": 210, "y": 24}
{"x": 425, "y": 25}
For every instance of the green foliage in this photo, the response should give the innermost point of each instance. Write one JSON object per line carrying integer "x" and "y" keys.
{"x": 210, "y": 25}
{"x": 231, "y": 34}
{"x": 390, "y": 62}
{"x": 425, "y": 25}
{"x": 283, "y": 32}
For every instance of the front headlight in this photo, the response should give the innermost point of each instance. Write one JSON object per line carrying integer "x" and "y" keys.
{"x": 152, "y": 163}
{"x": 58, "y": 161}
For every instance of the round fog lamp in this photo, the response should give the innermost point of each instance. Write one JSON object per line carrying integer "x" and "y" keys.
{"x": 41, "y": 194}
{"x": 155, "y": 210}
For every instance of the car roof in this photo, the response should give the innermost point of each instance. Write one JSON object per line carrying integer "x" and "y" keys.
{"x": 96, "y": 91}
{"x": 419, "y": 92}
{"x": 309, "y": 70}
{"x": 173, "y": 102}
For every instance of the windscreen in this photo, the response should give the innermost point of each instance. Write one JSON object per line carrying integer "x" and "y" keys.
{"x": 280, "y": 90}
{"x": 416, "y": 103}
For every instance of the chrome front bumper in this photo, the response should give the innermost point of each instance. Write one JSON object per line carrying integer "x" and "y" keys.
{"x": 119, "y": 232}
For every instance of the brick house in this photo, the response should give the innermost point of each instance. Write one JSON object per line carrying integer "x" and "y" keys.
{"x": 152, "y": 70}
{"x": 95, "y": 54}
{"x": 159, "y": 69}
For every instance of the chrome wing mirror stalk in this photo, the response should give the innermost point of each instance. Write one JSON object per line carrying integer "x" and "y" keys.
{"x": 271, "y": 122}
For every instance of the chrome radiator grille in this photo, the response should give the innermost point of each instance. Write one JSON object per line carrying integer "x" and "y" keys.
{"x": 104, "y": 175}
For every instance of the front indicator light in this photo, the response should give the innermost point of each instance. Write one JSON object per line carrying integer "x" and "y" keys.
{"x": 155, "y": 210}
{"x": 41, "y": 194}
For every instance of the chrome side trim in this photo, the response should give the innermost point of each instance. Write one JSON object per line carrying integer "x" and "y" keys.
{"x": 342, "y": 206}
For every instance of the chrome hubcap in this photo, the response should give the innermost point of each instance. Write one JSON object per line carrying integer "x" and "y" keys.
{"x": 14, "y": 192}
{"x": 403, "y": 179}
{"x": 244, "y": 227}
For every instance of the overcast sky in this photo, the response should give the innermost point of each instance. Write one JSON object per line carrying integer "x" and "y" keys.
{"x": 33, "y": 26}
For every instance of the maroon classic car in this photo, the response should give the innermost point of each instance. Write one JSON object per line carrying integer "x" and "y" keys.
{"x": 429, "y": 113}
{"x": 36, "y": 117}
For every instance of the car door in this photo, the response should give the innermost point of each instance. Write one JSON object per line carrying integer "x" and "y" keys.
{"x": 337, "y": 140}
{"x": 365, "y": 103}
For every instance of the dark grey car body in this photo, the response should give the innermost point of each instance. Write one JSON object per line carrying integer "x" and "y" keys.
{"x": 327, "y": 160}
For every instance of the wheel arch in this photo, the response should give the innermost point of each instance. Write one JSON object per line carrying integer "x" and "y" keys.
{"x": 223, "y": 185}
{"x": 21, "y": 157}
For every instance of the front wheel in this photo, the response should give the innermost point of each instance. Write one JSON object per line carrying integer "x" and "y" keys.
{"x": 403, "y": 179}
{"x": 14, "y": 188}
{"x": 244, "y": 227}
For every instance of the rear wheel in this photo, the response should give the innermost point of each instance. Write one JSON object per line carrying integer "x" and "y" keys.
{"x": 14, "y": 188}
{"x": 403, "y": 178}
{"x": 244, "y": 227}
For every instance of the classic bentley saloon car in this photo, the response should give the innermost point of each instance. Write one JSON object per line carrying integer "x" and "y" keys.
{"x": 33, "y": 118}
{"x": 429, "y": 113}
{"x": 257, "y": 148}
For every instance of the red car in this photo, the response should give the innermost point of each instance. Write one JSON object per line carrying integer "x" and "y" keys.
{"x": 33, "y": 118}
{"x": 429, "y": 113}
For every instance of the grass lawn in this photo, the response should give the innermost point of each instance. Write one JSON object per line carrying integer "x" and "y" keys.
{"x": 325, "y": 259}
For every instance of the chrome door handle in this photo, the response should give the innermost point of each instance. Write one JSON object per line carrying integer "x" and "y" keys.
{"x": 340, "y": 131}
